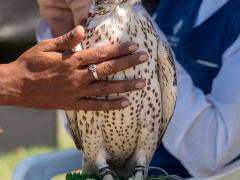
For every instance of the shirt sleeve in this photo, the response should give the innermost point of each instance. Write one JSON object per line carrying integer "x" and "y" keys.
{"x": 43, "y": 31}
{"x": 204, "y": 131}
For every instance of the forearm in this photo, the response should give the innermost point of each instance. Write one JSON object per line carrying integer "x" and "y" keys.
{"x": 8, "y": 93}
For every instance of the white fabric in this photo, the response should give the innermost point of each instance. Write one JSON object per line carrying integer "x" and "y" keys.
{"x": 204, "y": 131}
{"x": 43, "y": 31}
{"x": 207, "y": 8}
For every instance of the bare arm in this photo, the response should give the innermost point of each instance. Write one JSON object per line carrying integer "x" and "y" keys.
{"x": 45, "y": 77}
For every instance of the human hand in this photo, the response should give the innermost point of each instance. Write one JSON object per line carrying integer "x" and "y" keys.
{"x": 80, "y": 9}
{"x": 45, "y": 77}
{"x": 58, "y": 15}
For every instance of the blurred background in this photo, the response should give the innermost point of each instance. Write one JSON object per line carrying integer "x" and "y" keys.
{"x": 26, "y": 132}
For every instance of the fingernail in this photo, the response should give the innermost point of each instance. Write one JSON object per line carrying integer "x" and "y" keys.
{"x": 133, "y": 47}
{"x": 125, "y": 103}
{"x": 143, "y": 57}
{"x": 140, "y": 85}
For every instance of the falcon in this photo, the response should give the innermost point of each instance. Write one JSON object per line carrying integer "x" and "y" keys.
{"x": 121, "y": 143}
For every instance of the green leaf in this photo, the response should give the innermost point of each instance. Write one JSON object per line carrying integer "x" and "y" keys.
{"x": 69, "y": 176}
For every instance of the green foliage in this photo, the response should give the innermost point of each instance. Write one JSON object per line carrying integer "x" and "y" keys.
{"x": 8, "y": 161}
{"x": 160, "y": 178}
{"x": 80, "y": 176}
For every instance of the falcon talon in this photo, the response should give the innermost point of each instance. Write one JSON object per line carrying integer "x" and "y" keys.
{"x": 105, "y": 171}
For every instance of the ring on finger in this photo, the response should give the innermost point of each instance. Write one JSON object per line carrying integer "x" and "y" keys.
{"x": 93, "y": 69}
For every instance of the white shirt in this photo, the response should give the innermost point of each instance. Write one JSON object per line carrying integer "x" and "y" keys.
{"x": 204, "y": 131}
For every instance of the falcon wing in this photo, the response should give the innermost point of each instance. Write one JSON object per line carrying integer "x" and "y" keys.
{"x": 73, "y": 127}
{"x": 168, "y": 83}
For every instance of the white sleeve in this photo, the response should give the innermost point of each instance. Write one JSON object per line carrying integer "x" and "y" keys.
{"x": 43, "y": 31}
{"x": 204, "y": 131}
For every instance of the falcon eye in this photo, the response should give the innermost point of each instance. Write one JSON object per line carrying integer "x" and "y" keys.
{"x": 100, "y": 8}
{"x": 120, "y": 1}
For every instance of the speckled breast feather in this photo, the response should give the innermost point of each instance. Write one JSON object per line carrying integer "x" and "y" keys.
{"x": 127, "y": 138}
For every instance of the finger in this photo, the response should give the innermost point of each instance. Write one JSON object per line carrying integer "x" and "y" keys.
{"x": 101, "y": 88}
{"x": 99, "y": 54}
{"x": 56, "y": 13}
{"x": 82, "y": 104}
{"x": 53, "y": 4}
{"x": 80, "y": 10}
{"x": 66, "y": 42}
{"x": 101, "y": 105}
{"x": 113, "y": 66}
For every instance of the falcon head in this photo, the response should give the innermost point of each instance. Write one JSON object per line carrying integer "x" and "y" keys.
{"x": 105, "y": 7}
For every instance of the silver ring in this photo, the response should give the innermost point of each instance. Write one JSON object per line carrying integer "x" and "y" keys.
{"x": 93, "y": 69}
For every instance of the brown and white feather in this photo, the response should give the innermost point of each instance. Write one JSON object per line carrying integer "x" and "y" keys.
{"x": 119, "y": 135}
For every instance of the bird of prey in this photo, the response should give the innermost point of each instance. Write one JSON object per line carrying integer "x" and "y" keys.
{"x": 123, "y": 142}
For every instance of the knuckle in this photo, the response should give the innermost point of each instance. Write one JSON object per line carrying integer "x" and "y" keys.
{"x": 103, "y": 87}
{"x": 45, "y": 42}
{"x": 67, "y": 38}
{"x": 77, "y": 59}
{"x": 101, "y": 52}
{"x": 108, "y": 68}
{"x": 64, "y": 39}
{"x": 75, "y": 82}
{"x": 38, "y": 56}
{"x": 67, "y": 66}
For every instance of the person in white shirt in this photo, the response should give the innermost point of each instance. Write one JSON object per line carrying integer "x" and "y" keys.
{"x": 203, "y": 135}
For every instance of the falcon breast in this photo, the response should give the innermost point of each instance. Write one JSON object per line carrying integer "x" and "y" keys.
{"x": 124, "y": 141}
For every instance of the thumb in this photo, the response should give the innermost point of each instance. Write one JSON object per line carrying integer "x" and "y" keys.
{"x": 67, "y": 41}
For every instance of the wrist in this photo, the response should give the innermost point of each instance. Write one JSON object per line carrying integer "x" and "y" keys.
{"x": 8, "y": 85}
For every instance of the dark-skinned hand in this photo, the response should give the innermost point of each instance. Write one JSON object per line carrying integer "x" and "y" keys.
{"x": 47, "y": 77}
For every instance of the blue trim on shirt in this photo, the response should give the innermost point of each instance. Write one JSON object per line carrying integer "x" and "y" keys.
{"x": 199, "y": 50}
